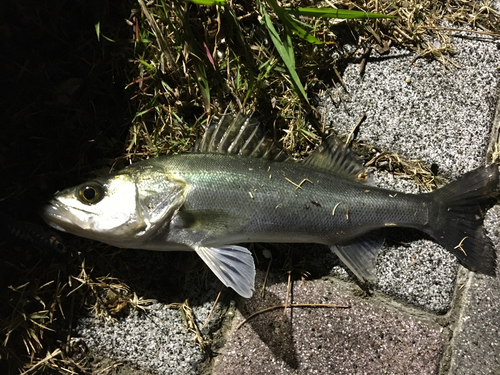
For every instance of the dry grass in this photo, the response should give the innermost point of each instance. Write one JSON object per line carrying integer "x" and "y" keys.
{"x": 190, "y": 323}
{"x": 47, "y": 302}
{"x": 415, "y": 170}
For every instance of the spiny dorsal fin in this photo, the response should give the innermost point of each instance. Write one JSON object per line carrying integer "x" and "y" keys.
{"x": 334, "y": 156}
{"x": 241, "y": 135}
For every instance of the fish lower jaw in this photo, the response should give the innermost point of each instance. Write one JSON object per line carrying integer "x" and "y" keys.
{"x": 54, "y": 219}
{"x": 57, "y": 227}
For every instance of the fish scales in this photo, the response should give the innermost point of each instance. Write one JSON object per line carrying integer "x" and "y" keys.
{"x": 278, "y": 211}
{"x": 238, "y": 187}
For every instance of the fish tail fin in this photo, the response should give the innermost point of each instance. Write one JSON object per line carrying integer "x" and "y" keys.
{"x": 457, "y": 220}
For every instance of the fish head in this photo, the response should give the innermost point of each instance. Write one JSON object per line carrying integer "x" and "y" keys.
{"x": 121, "y": 210}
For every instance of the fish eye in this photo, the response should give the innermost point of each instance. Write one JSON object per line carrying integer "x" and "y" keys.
{"x": 91, "y": 192}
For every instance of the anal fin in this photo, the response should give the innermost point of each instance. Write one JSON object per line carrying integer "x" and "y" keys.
{"x": 360, "y": 256}
{"x": 233, "y": 265}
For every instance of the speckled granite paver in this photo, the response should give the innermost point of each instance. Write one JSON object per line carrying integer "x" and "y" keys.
{"x": 366, "y": 338}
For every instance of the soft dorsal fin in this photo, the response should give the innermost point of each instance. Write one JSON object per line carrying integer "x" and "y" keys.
{"x": 334, "y": 156}
{"x": 241, "y": 135}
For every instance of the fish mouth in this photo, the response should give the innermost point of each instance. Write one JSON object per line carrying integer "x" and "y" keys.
{"x": 56, "y": 215}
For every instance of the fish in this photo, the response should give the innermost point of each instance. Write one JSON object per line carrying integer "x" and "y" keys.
{"x": 237, "y": 186}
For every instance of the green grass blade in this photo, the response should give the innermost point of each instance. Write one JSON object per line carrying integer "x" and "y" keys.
{"x": 291, "y": 24}
{"x": 165, "y": 47}
{"x": 147, "y": 65}
{"x": 335, "y": 13}
{"x": 248, "y": 56}
{"x": 209, "y": 2}
{"x": 195, "y": 52}
{"x": 202, "y": 81}
{"x": 97, "y": 27}
{"x": 283, "y": 52}
{"x": 288, "y": 44}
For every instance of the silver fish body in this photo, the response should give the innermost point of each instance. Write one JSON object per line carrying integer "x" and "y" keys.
{"x": 256, "y": 200}
{"x": 211, "y": 201}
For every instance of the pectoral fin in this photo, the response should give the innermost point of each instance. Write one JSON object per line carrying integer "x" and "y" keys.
{"x": 233, "y": 265}
{"x": 360, "y": 256}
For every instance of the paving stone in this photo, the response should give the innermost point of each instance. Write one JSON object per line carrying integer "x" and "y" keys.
{"x": 366, "y": 338}
{"x": 476, "y": 344}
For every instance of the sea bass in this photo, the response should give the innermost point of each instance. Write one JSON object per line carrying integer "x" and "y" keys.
{"x": 238, "y": 187}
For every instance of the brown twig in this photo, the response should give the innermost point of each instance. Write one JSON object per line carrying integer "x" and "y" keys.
{"x": 292, "y": 305}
